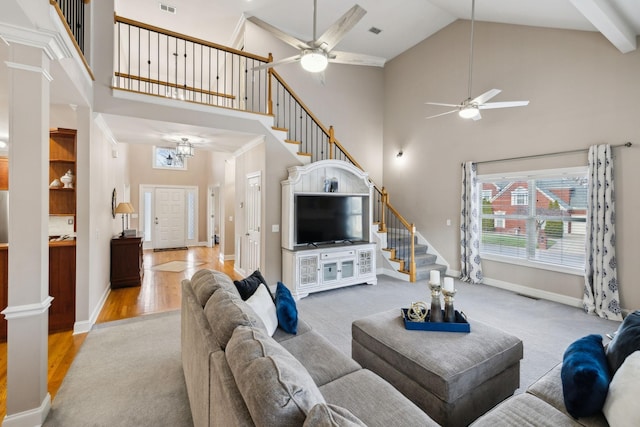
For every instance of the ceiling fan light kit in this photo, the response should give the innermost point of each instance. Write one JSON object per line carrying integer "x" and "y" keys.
{"x": 468, "y": 112}
{"x": 316, "y": 54}
{"x": 314, "y": 60}
{"x": 470, "y": 107}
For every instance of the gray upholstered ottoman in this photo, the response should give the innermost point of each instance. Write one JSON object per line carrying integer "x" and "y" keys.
{"x": 454, "y": 377}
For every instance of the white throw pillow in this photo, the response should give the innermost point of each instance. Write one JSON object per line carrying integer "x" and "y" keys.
{"x": 264, "y": 307}
{"x": 621, "y": 407}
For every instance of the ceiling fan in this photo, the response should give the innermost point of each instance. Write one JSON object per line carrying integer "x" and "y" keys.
{"x": 470, "y": 107}
{"x": 316, "y": 54}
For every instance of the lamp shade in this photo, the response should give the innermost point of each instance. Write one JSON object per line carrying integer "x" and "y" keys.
{"x": 130, "y": 207}
{"x": 124, "y": 208}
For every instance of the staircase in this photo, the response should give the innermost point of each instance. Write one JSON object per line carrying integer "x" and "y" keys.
{"x": 267, "y": 94}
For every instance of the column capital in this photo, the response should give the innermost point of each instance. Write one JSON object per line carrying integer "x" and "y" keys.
{"x": 51, "y": 42}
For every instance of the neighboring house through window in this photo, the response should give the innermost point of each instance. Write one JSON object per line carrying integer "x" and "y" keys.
{"x": 536, "y": 218}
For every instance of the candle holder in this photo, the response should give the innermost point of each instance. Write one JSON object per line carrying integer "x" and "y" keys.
{"x": 436, "y": 308}
{"x": 449, "y": 311}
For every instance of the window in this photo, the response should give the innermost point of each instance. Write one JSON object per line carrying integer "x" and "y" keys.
{"x": 520, "y": 196}
{"x": 166, "y": 158}
{"x": 537, "y": 218}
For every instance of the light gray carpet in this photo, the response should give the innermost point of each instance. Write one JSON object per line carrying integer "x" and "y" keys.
{"x": 546, "y": 328}
{"x": 127, "y": 373}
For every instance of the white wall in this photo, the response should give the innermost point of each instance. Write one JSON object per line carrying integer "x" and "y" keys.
{"x": 583, "y": 91}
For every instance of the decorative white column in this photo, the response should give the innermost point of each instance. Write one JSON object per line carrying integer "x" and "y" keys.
{"x": 28, "y": 400}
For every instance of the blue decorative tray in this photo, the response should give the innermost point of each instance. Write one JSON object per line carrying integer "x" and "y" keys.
{"x": 460, "y": 325}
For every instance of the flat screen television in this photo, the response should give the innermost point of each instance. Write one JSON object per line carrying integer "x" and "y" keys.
{"x": 330, "y": 218}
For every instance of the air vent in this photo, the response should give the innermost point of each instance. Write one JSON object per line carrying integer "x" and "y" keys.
{"x": 375, "y": 30}
{"x": 167, "y": 8}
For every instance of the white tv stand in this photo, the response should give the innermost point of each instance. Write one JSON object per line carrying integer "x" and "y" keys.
{"x": 307, "y": 269}
{"x": 312, "y": 270}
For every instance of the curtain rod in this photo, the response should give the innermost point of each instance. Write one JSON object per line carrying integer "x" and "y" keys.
{"x": 558, "y": 153}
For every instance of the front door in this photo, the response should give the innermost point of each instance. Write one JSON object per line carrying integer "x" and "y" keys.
{"x": 169, "y": 222}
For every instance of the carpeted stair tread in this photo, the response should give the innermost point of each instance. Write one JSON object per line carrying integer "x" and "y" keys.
{"x": 423, "y": 272}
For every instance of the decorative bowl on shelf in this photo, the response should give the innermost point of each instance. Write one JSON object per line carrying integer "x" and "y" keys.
{"x": 67, "y": 179}
{"x": 55, "y": 183}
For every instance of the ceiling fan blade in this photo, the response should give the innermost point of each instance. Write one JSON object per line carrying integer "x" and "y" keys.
{"x": 330, "y": 38}
{"x": 442, "y": 114}
{"x": 443, "y": 105}
{"x": 481, "y": 99}
{"x": 356, "y": 59}
{"x": 287, "y": 38}
{"x": 505, "y": 104}
{"x": 274, "y": 63}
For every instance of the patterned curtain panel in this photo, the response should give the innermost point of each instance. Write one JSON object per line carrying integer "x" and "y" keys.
{"x": 470, "y": 268}
{"x": 601, "y": 285}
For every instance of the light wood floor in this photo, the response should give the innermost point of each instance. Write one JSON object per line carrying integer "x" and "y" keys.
{"x": 160, "y": 291}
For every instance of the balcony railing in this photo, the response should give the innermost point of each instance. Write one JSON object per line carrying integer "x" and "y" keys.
{"x": 159, "y": 62}
{"x": 163, "y": 63}
{"x": 73, "y": 12}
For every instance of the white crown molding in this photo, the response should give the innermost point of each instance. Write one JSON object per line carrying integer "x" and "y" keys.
{"x": 31, "y": 68}
{"x": 104, "y": 127}
{"x": 51, "y": 42}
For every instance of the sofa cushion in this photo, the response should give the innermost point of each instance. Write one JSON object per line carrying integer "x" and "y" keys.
{"x": 205, "y": 282}
{"x": 274, "y": 385}
{"x": 281, "y": 335}
{"x": 264, "y": 307}
{"x": 525, "y": 410}
{"x": 323, "y": 415}
{"x": 247, "y": 286}
{"x": 374, "y": 401}
{"x": 225, "y": 311}
{"x": 625, "y": 342}
{"x": 549, "y": 389}
{"x": 324, "y": 361}
{"x": 585, "y": 376}
{"x": 286, "y": 309}
{"x": 621, "y": 407}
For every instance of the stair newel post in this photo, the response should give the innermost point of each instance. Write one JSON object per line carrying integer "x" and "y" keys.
{"x": 332, "y": 140}
{"x": 383, "y": 200}
{"x": 412, "y": 262}
{"x": 269, "y": 80}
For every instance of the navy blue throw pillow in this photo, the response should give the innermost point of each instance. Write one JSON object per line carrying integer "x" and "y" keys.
{"x": 286, "y": 309}
{"x": 626, "y": 341}
{"x": 247, "y": 286}
{"x": 585, "y": 376}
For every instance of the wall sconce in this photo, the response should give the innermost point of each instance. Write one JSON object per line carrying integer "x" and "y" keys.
{"x": 400, "y": 154}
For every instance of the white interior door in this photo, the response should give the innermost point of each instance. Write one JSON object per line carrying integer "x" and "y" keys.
{"x": 169, "y": 221}
{"x": 251, "y": 258}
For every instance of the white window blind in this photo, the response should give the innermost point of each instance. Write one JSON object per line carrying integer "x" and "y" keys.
{"x": 535, "y": 217}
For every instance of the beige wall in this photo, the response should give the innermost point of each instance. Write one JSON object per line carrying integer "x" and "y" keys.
{"x": 197, "y": 174}
{"x": 582, "y": 90}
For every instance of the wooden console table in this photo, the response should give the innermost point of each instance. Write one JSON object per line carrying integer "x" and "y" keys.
{"x": 126, "y": 262}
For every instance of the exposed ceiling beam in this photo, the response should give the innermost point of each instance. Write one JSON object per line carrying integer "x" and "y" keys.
{"x": 606, "y": 20}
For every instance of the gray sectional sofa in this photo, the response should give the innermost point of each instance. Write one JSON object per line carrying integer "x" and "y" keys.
{"x": 542, "y": 405}
{"x": 237, "y": 375}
